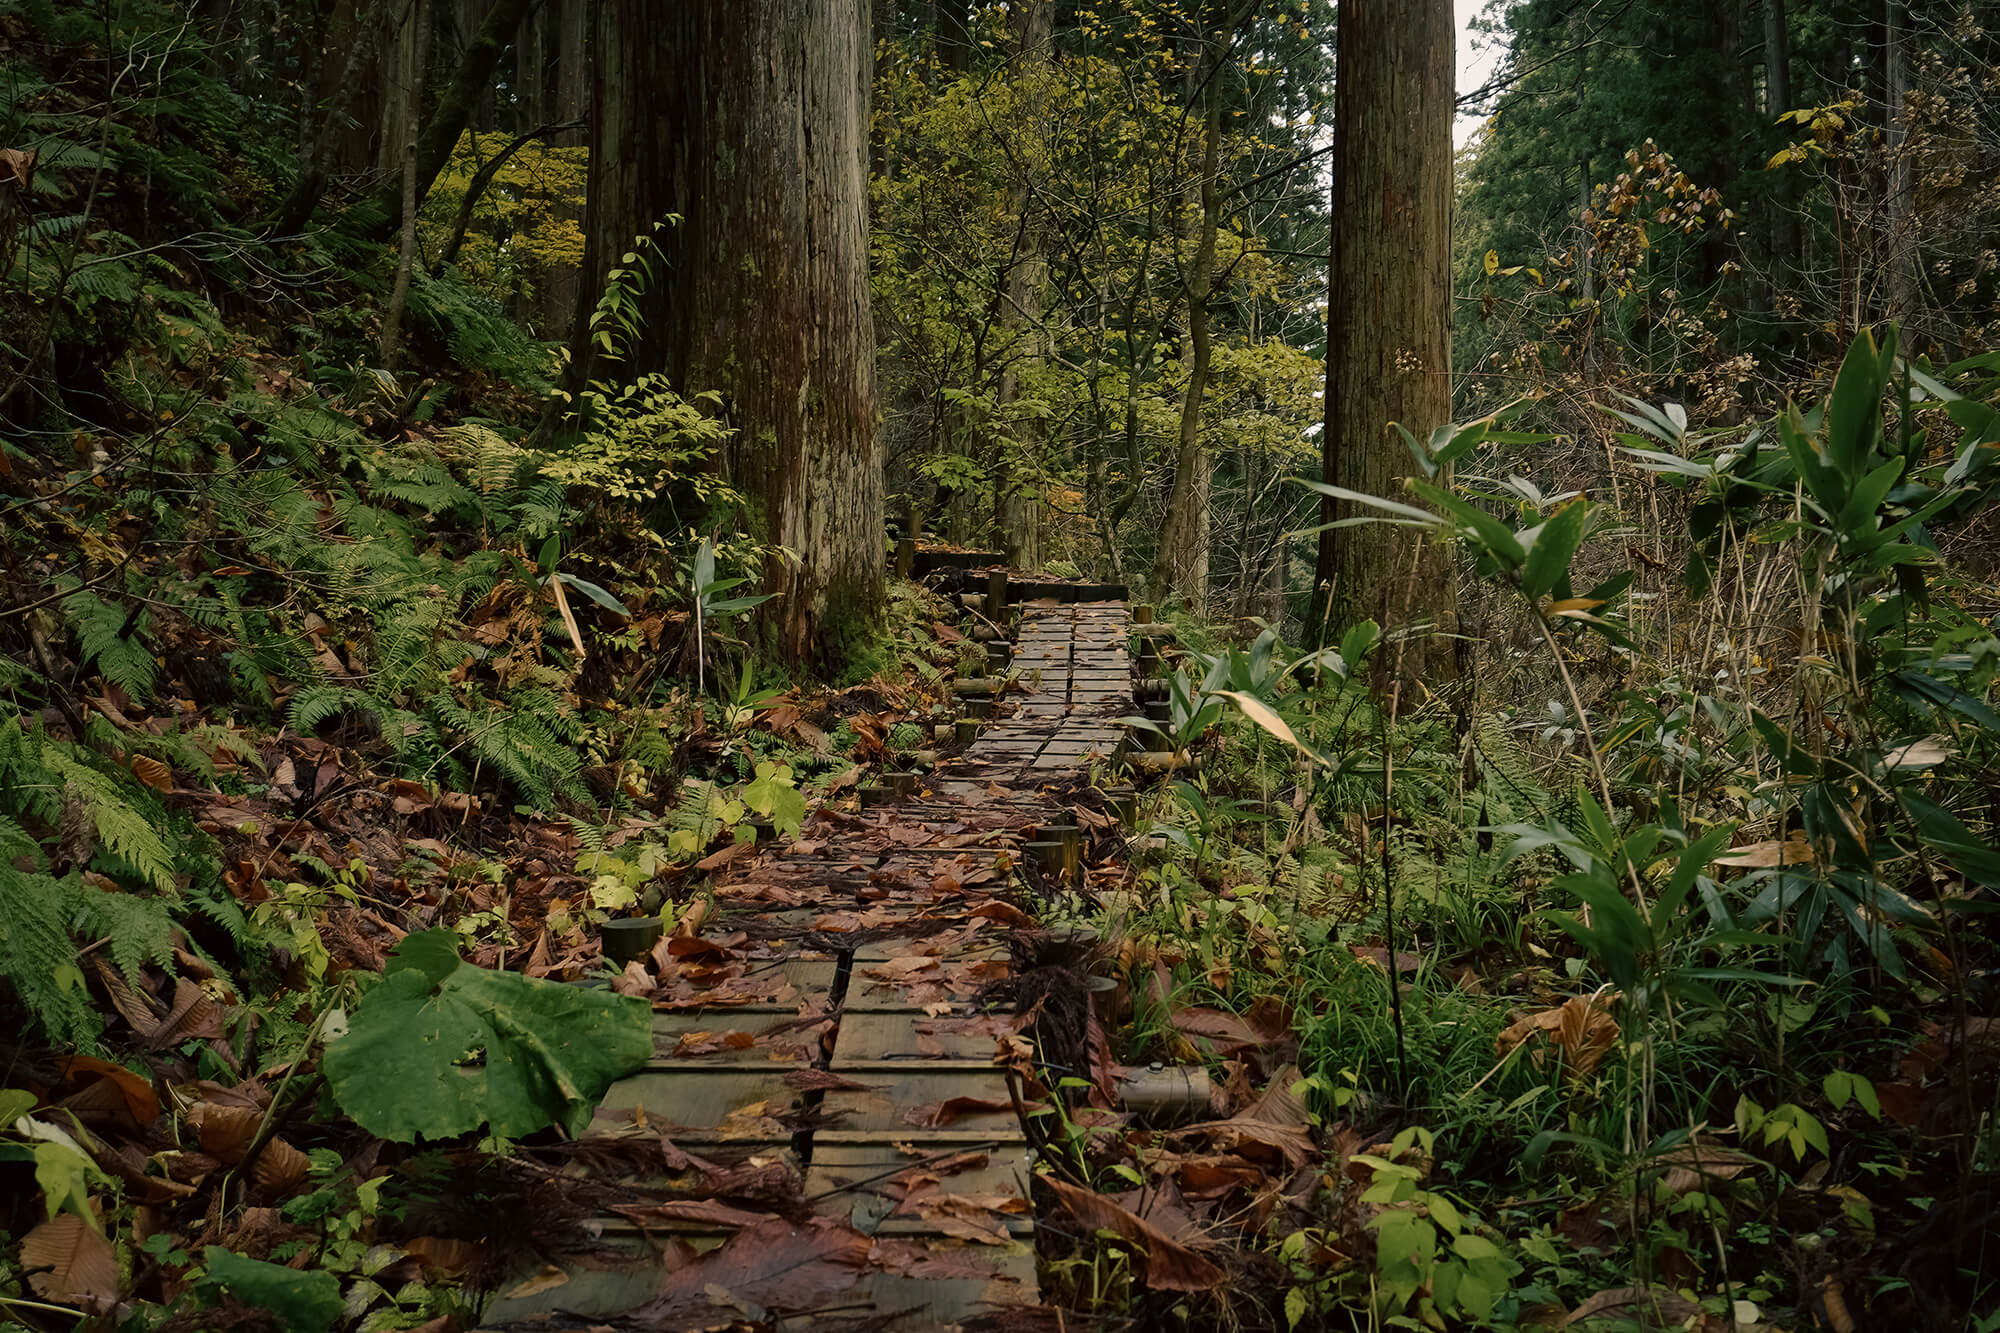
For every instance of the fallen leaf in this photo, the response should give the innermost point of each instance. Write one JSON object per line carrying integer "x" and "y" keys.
{"x": 67, "y": 1260}
{"x": 280, "y": 1166}
{"x": 937, "y": 1115}
{"x": 1582, "y": 1028}
{"x": 773, "y": 1264}
{"x": 1696, "y": 1166}
{"x": 1651, "y": 1308}
{"x": 707, "y": 1043}
{"x": 225, "y": 1131}
{"x": 711, "y": 1212}
{"x": 109, "y": 1091}
{"x": 1170, "y": 1265}
{"x": 825, "y": 1080}
{"x": 1277, "y": 1122}
{"x": 546, "y": 1278}
{"x": 1793, "y": 851}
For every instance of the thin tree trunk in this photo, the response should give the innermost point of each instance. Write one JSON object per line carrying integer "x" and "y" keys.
{"x": 1901, "y": 243}
{"x": 1388, "y": 330}
{"x": 317, "y": 164}
{"x": 1181, "y": 566}
{"x": 412, "y": 75}
{"x": 1017, "y": 502}
{"x": 1785, "y": 256}
{"x": 953, "y": 35}
{"x": 457, "y": 103}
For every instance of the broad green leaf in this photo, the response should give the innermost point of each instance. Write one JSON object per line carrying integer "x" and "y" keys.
{"x": 1491, "y": 533}
{"x": 1266, "y": 717}
{"x": 439, "y": 1047}
{"x": 595, "y": 594}
{"x": 1410, "y": 512}
{"x": 305, "y": 1301}
{"x": 1357, "y": 643}
{"x": 773, "y": 795}
{"x": 1854, "y": 414}
{"x": 1547, "y": 567}
{"x": 14, "y": 1103}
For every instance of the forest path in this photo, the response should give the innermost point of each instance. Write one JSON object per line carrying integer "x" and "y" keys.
{"x": 834, "y": 1022}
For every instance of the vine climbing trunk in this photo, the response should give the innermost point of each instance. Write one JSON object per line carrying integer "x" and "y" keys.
{"x": 1388, "y": 352}
{"x": 748, "y": 121}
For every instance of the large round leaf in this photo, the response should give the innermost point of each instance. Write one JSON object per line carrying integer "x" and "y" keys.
{"x": 439, "y": 1047}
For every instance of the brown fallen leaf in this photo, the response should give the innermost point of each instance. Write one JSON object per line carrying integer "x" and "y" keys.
{"x": 67, "y": 1260}
{"x": 774, "y": 1264}
{"x": 825, "y": 1080}
{"x": 225, "y": 1131}
{"x": 193, "y": 1017}
{"x": 280, "y": 1166}
{"x": 706, "y": 1211}
{"x": 1229, "y": 1033}
{"x": 1170, "y": 1266}
{"x": 109, "y": 1094}
{"x": 1793, "y": 851}
{"x": 1697, "y": 1165}
{"x": 1581, "y": 1027}
{"x": 708, "y": 1043}
{"x": 937, "y": 1115}
{"x": 960, "y": 1216}
{"x": 1650, "y": 1308}
{"x": 1276, "y": 1123}
{"x": 445, "y": 1253}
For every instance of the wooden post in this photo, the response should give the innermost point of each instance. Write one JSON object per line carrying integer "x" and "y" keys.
{"x": 996, "y": 595}
{"x": 906, "y": 557}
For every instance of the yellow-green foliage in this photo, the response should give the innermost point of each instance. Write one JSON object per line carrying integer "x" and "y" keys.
{"x": 528, "y": 222}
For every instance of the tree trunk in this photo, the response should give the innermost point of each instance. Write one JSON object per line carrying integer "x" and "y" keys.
{"x": 1017, "y": 501}
{"x": 953, "y": 35}
{"x": 1785, "y": 255}
{"x": 1901, "y": 242}
{"x": 1181, "y": 567}
{"x": 749, "y": 119}
{"x": 359, "y": 74}
{"x": 568, "y": 27}
{"x": 411, "y": 76}
{"x": 457, "y": 103}
{"x": 1388, "y": 330}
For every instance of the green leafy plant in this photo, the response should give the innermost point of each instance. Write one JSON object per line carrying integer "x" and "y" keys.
{"x": 472, "y": 1047}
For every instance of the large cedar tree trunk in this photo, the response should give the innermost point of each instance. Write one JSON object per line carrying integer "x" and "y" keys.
{"x": 1388, "y": 350}
{"x": 749, "y": 120}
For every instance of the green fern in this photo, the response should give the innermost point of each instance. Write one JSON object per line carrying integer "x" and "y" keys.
{"x": 112, "y": 641}
{"x": 39, "y": 957}
{"x": 123, "y": 829}
{"x": 316, "y": 703}
{"x": 137, "y": 930}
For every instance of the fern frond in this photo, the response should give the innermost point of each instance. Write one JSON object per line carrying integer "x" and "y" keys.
{"x": 123, "y": 829}
{"x": 119, "y": 656}
{"x": 138, "y": 930}
{"x": 38, "y": 955}
{"x": 316, "y": 703}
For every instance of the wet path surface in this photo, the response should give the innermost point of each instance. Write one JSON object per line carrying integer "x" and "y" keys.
{"x": 834, "y": 1023}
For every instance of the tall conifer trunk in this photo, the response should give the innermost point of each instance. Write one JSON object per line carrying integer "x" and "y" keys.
{"x": 749, "y": 120}
{"x": 1388, "y": 350}
{"x": 1017, "y": 506}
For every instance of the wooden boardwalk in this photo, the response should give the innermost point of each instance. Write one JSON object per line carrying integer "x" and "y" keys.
{"x": 832, "y": 1026}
